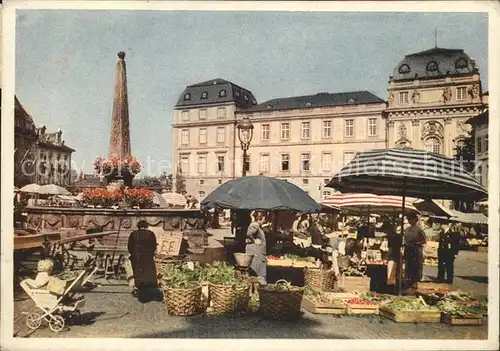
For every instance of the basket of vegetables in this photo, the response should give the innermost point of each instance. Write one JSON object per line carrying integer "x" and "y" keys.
{"x": 280, "y": 301}
{"x": 320, "y": 278}
{"x": 462, "y": 312}
{"x": 229, "y": 291}
{"x": 182, "y": 289}
{"x": 410, "y": 310}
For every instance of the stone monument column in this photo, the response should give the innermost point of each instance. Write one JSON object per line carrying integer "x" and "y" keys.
{"x": 119, "y": 141}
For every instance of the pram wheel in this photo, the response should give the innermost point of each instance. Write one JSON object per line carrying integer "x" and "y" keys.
{"x": 34, "y": 320}
{"x": 56, "y": 323}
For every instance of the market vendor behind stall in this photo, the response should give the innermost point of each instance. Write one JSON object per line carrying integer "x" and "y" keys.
{"x": 256, "y": 245}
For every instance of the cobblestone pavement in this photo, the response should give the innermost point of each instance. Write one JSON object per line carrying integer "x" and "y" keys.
{"x": 112, "y": 312}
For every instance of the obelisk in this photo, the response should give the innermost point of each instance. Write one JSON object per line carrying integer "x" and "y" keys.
{"x": 119, "y": 141}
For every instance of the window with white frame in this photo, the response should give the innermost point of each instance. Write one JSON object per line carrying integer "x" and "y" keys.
{"x": 202, "y": 114}
{"x": 220, "y": 164}
{"x": 372, "y": 126}
{"x": 461, "y": 93}
{"x": 185, "y": 137}
{"x": 479, "y": 143}
{"x": 202, "y": 164}
{"x": 185, "y": 115}
{"x": 349, "y": 127}
{"x": 201, "y": 194}
{"x": 326, "y": 193}
{"x": 202, "y": 136}
{"x": 221, "y": 112}
{"x": 326, "y": 161}
{"x": 486, "y": 143}
{"x": 305, "y": 130}
{"x": 266, "y": 129}
{"x": 221, "y": 134}
{"x": 305, "y": 181}
{"x": 185, "y": 165}
{"x": 433, "y": 145}
{"x": 285, "y": 131}
{"x": 305, "y": 162}
{"x": 403, "y": 98}
{"x": 285, "y": 162}
{"x": 264, "y": 163}
{"x": 348, "y": 157}
{"x": 327, "y": 129}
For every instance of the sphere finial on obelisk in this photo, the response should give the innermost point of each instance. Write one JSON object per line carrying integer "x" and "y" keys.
{"x": 121, "y": 55}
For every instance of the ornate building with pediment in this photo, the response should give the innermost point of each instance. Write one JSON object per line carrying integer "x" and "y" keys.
{"x": 431, "y": 95}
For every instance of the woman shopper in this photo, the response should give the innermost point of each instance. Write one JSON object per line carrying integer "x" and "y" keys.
{"x": 449, "y": 242}
{"x": 415, "y": 240}
{"x": 142, "y": 247}
{"x": 256, "y": 245}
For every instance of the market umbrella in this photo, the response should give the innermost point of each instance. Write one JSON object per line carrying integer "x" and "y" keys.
{"x": 30, "y": 188}
{"x": 261, "y": 193}
{"x": 359, "y": 204}
{"x": 159, "y": 200}
{"x": 407, "y": 172}
{"x": 52, "y": 189}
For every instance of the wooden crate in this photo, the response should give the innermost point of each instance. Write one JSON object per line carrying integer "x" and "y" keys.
{"x": 303, "y": 264}
{"x": 431, "y": 315}
{"x": 340, "y": 295}
{"x": 483, "y": 249}
{"x": 461, "y": 320}
{"x": 318, "y": 307}
{"x": 362, "y": 309}
{"x": 358, "y": 284}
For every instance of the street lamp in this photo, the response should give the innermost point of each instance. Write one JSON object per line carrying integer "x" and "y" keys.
{"x": 245, "y": 134}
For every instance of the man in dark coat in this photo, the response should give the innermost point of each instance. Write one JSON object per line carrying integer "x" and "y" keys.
{"x": 142, "y": 246}
{"x": 449, "y": 241}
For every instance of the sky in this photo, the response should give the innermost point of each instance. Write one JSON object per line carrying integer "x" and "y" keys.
{"x": 65, "y": 63}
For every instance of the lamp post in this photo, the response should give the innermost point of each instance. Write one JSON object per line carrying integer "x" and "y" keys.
{"x": 245, "y": 134}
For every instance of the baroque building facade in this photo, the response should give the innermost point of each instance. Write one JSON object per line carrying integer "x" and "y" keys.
{"x": 39, "y": 157}
{"x": 431, "y": 95}
{"x": 205, "y": 135}
{"x": 307, "y": 139}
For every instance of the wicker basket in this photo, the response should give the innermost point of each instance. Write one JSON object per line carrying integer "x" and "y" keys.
{"x": 182, "y": 302}
{"x": 281, "y": 305}
{"x": 320, "y": 279}
{"x": 241, "y": 297}
{"x": 222, "y": 297}
{"x": 243, "y": 260}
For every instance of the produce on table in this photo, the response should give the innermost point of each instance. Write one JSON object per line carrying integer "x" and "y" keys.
{"x": 377, "y": 298}
{"x": 407, "y": 304}
{"x": 352, "y": 272}
{"x": 359, "y": 301}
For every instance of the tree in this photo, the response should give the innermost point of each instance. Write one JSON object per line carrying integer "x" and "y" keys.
{"x": 466, "y": 156}
{"x": 180, "y": 183}
{"x": 163, "y": 181}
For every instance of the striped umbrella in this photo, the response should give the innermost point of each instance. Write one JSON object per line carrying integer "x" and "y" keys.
{"x": 52, "y": 189}
{"x": 407, "y": 172}
{"x": 30, "y": 188}
{"x": 159, "y": 200}
{"x": 358, "y": 204}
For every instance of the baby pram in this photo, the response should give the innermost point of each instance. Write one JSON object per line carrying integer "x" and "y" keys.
{"x": 53, "y": 306}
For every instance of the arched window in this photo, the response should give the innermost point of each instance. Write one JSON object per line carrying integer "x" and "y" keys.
{"x": 187, "y": 97}
{"x": 461, "y": 63}
{"x": 204, "y": 95}
{"x": 433, "y": 145}
{"x": 222, "y": 93}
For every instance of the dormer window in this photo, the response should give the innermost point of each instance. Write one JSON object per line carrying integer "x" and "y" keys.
{"x": 461, "y": 63}
{"x": 246, "y": 97}
{"x": 432, "y": 66}
{"x": 269, "y": 106}
{"x": 222, "y": 93}
{"x": 187, "y": 97}
{"x": 403, "y": 69}
{"x": 254, "y": 101}
{"x": 204, "y": 95}
{"x": 237, "y": 93}
{"x": 351, "y": 101}
{"x": 308, "y": 104}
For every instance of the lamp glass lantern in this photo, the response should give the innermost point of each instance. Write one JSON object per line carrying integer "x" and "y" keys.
{"x": 245, "y": 132}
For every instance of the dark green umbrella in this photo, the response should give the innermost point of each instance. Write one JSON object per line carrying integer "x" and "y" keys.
{"x": 261, "y": 193}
